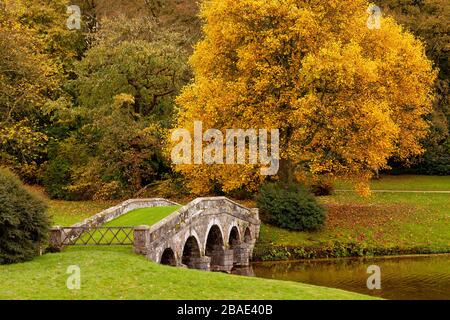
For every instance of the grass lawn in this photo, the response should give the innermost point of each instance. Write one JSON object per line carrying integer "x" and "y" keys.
{"x": 405, "y": 182}
{"x": 144, "y": 216}
{"x": 67, "y": 213}
{"x": 117, "y": 273}
{"x": 381, "y": 220}
{"x": 384, "y": 220}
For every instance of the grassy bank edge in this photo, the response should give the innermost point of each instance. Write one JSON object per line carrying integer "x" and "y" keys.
{"x": 274, "y": 252}
{"x": 119, "y": 274}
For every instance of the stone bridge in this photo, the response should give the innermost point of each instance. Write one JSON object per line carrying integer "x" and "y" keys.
{"x": 208, "y": 234}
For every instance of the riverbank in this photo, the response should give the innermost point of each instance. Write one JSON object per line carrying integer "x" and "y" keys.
{"x": 119, "y": 274}
{"x": 387, "y": 223}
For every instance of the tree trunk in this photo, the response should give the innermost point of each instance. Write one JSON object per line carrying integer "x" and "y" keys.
{"x": 286, "y": 173}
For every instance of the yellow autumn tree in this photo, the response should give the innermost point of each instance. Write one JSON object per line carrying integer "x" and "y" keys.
{"x": 345, "y": 93}
{"x": 36, "y": 53}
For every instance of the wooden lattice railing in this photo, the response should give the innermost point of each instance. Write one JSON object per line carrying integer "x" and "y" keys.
{"x": 96, "y": 236}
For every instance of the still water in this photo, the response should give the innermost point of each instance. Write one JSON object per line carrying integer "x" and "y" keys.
{"x": 409, "y": 277}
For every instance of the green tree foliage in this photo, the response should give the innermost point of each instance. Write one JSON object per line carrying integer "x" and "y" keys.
{"x": 24, "y": 226}
{"x": 290, "y": 207}
{"x": 428, "y": 19}
{"x": 123, "y": 92}
{"x": 91, "y": 106}
{"x": 36, "y": 50}
{"x": 150, "y": 67}
{"x": 47, "y": 19}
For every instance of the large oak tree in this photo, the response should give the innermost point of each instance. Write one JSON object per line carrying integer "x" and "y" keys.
{"x": 345, "y": 97}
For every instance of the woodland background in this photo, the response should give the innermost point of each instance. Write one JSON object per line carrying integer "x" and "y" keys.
{"x": 86, "y": 113}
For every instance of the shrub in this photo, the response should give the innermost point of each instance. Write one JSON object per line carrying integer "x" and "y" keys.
{"x": 290, "y": 207}
{"x": 24, "y": 225}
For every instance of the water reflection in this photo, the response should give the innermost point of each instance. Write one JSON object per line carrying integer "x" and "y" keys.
{"x": 424, "y": 277}
{"x": 243, "y": 271}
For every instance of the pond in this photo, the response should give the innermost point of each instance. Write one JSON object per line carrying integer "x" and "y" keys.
{"x": 408, "y": 277}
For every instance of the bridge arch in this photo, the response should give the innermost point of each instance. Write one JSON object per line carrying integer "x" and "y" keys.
{"x": 234, "y": 237}
{"x": 191, "y": 252}
{"x": 248, "y": 236}
{"x": 214, "y": 240}
{"x": 215, "y": 247}
{"x": 213, "y": 223}
{"x": 168, "y": 258}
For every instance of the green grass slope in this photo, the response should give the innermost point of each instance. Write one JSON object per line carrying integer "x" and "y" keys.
{"x": 144, "y": 216}
{"x": 117, "y": 273}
